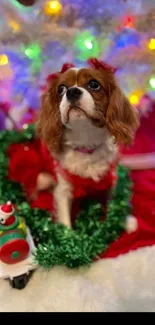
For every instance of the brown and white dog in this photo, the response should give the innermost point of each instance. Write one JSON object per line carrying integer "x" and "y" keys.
{"x": 83, "y": 118}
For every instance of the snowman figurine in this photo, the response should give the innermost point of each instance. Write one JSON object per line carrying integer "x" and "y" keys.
{"x": 7, "y": 217}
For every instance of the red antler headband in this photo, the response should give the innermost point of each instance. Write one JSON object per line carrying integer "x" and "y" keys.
{"x": 101, "y": 65}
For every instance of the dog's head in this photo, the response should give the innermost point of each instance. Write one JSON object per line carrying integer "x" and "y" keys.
{"x": 88, "y": 93}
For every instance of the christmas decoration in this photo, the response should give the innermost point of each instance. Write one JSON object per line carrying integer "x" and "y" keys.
{"x": 152, "y": 82}
{"x": 3, "y": 59}
{"x": 52, "y": 7}
{"x": 86, "y": 46}
{"x": 6, "y": 214}
{"x": 131, "y": 224}
{"x": 57, "y": 244}
{"x": 13, "y": 245}
{"x": 16, "y": 247}
{"x": 37, "y": 37}
{"x": 135, "y": 97}
{"x": 152, "y": 44}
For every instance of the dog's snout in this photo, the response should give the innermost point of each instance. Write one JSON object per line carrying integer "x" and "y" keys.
{"x": 73, "y": 93}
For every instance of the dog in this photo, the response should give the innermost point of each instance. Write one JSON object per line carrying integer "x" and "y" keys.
{"x": 84, "y": 117}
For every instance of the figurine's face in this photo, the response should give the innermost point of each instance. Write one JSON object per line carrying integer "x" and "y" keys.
{"x": 3, "y": 218}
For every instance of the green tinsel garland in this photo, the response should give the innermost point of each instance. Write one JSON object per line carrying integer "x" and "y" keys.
{"x": 56, "y": 244}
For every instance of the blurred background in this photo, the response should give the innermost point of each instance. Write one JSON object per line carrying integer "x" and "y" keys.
{"x": 38, "y": 36}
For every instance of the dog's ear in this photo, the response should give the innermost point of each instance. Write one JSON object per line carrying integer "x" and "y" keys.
{"x": 122, "y": 119}
{"x": 49, "y": 126}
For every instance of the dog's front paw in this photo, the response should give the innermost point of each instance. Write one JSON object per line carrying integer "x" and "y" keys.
{"x": 45, "y": 181}
{"x": 131, "y": 224}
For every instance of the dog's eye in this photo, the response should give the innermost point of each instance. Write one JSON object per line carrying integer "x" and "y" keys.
{"x": 94, "y": 85}
{"x": 62, "y": 89}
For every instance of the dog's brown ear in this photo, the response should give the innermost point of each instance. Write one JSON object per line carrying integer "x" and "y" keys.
{"x": 49, "y": 126}
{"x": 121, "y": 118}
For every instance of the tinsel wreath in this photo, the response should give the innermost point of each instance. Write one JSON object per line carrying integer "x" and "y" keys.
{"x": 56, "y": 244}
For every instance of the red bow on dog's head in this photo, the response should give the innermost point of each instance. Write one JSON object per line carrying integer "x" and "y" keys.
{"x": 93, "y": 62}
{"x": 101, "y": 65}
{"x": 65, "y": 67}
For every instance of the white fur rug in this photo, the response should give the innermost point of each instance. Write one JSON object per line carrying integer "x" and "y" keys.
{"x": 124, "y": 284}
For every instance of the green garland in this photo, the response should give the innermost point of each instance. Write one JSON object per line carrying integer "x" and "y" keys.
{"x": 56, "y": 244}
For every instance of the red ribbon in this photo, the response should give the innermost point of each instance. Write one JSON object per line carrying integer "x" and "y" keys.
{"x": 92, "y": 61}
{"x": 101, "y": 65}
{"x": 65, "y": 67}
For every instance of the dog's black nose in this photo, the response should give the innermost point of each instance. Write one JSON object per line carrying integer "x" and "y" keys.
{"x": 73, "y": 93}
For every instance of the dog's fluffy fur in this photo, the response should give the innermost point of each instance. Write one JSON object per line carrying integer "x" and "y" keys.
{"x": 84, "y": 109}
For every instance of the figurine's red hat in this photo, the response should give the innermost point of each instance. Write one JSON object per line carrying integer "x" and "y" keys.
{"x": 7, "y": 209}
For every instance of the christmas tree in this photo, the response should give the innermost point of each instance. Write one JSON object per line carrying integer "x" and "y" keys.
{"x": 37, "y": 37}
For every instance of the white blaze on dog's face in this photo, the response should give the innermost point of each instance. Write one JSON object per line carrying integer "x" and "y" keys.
{"x": 81, "y": 95}
{"x": 76, "y": 103}
{"x": 90, "y": 94}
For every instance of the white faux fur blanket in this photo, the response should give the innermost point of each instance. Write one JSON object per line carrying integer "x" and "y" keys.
{"x": 124, "y": 284}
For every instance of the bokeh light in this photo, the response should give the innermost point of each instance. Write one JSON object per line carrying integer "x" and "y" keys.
{"x": 86, "y": 45}
{"x": 152, "y": 82}
{"x": 3, "y": 59}
{"x": 33, "y": 51}
{"x": 152, "y": 44}
{"x": 134, "y": 99}
{"x": 52, "y": 7}
{"x": 14, "y": 25}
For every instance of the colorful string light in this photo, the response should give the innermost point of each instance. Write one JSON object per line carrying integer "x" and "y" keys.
{"x": 152, "y": 82}
{"x": 134, "y": 100}
{"x": 33, "y": 51}
{"x": 86, "y": 46}
{"x": 128, "y": 23}
{"x": 14, "y": 25}
{"x": 52, "y": 8}
{"x": 152, "y": 44}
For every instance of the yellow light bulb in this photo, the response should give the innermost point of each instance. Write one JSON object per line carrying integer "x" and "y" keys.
{"x": 15, "y": 26}
{"x": 152, "y": 44}
{"x": 134, "y": 100}
{"x": 3, "y": 59}
{"x": 52, "y": 7}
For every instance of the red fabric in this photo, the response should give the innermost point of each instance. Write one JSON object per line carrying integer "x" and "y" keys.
{"x": 143, "y": 198}
{"x": 144, "y": 141}
{"x": 29, "y": 159}
{"x": 143, "y": 203}
{"x": 26, "y": 163}
{"x": 87, "y": 186}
